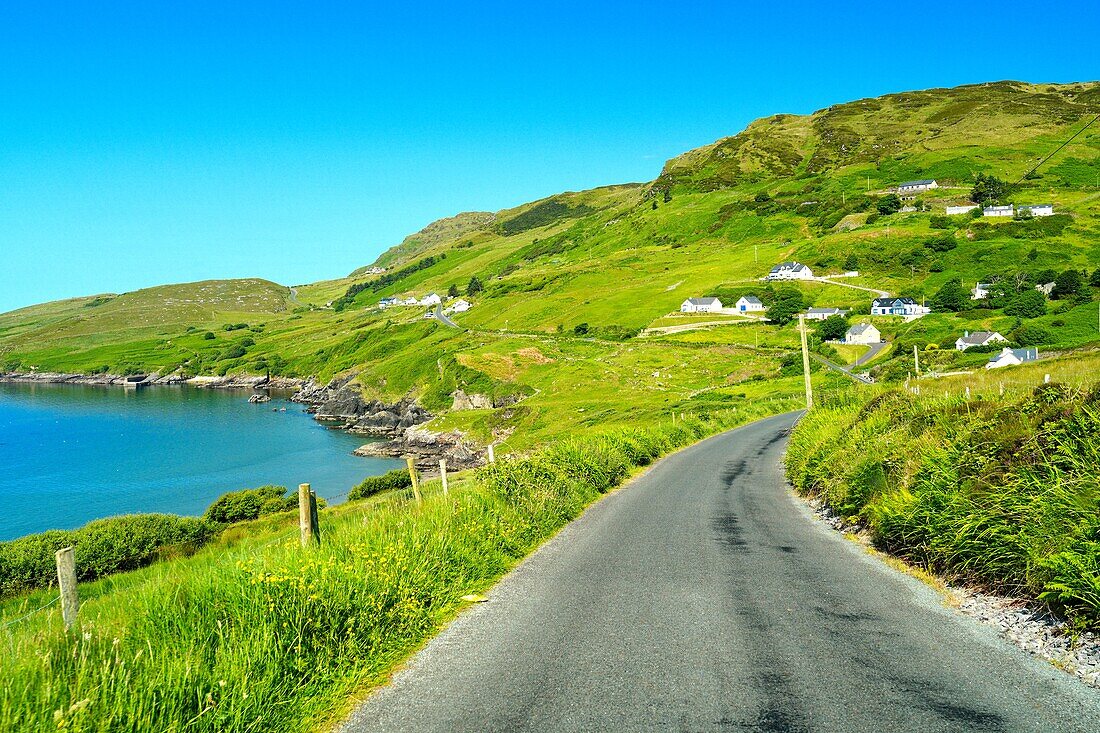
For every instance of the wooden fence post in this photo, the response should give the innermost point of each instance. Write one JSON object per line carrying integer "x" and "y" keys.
{"x": 66, "y": 582}
{"x": 492, "y": 458}
{"x": 443, "y": 474}
{"x": 307, "y": 515}
{"x": 415, "y": 478}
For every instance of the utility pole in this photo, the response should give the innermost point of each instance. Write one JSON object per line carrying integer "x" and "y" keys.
{"x": 916, "y": 360}
{"x": 805, "y": 360}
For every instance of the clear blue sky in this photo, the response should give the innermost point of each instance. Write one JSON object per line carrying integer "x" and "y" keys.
{"x": 152, "y": 142}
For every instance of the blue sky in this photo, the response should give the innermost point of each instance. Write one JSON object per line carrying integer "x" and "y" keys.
{"x": 151, "y": 142}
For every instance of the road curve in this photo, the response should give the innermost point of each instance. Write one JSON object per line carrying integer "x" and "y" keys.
{"x": 704, "y": 597}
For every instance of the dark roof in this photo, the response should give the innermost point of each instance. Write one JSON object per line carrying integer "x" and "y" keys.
{"x": 752, "y": 299}
{"x": 923, "y": 182}
{"x": 789, "y": 266}
{"x": 881, "y": 302}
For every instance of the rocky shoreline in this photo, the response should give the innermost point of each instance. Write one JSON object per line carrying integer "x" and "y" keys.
{"x": 1025, "y": 624}
{"x": 338, "y": 403}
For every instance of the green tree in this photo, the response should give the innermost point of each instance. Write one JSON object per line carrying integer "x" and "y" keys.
{"x": 209, "y": 336}
{"x": 888, "y": 204}
{"x": 832, "y": 328}
{"x": 1028, "y": 304}
{"x": 475, "y": 286}
{"x": 950, "y": 297}
{"x": 852, "y": 263}
{"x": 786, "y": 304}
{"x": 988, "y": 190}
{"x": 1067, "y": 284}
{"x": 581, "y": 329}
{"x": 1030, "y": 335}
{"x": 942, "y": 243}
{"x": 452, "y": 292}
{"x": 1094, "y": 281}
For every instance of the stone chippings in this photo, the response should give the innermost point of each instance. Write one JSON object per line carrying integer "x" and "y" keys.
{"x": 1027, "y": 625}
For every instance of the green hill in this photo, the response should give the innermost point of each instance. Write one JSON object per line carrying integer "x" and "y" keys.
{"x": 570, "y": 281}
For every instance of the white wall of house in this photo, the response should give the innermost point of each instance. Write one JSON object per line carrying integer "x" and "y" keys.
{"x": 953, "y": 210}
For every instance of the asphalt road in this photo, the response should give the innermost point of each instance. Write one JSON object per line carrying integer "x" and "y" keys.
{"x": 703, "y": 597}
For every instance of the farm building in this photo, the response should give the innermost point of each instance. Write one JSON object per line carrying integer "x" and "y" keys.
{"x": 978, "y": 338}
{"x": 790, "y": 271}
{"x": 459, "y": 306}
{"x": 965, "y": 209}
{"x": 917, "y": 186}
{"x": 999, "y": 211}
{"x": 1036, "y": 209}
{"x": 1012, "y": 357}
{"x": 820, "y": 314}
{"x": 701, "y": 305}
{"x": 862, "y": 333}
{"x": 1046, "y": 288}
{"x": 431, "y": 299}
{"x": 749, "y": 304}
{"x": 980, "y": 291}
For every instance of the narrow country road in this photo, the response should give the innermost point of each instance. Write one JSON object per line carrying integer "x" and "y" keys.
{"x": 704, "y": 597}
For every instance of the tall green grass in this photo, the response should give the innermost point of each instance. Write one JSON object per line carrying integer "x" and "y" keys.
{"x": 276, "y": 638}
{"x": 1004, "y": 494}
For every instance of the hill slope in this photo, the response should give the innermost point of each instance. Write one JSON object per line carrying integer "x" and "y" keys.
{"x": 567, "y": 282}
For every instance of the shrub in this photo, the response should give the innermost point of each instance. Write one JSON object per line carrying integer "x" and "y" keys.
{"x": 1066, "y": 284}
{"x": 1029, "y": 335}
{"x": 1028, "y": 304}
{"x": 942, "y": 243}
{"x": 888, "y": 204}
{"x": 398, "y": 478}
{"x": 939, "y": 222}
{"x": 102, "y": 547}
{"x": 246, "y": 504}
{"x": 209, "y": 336}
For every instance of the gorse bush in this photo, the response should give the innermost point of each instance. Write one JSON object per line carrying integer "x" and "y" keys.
{"x": 398, "y": 478}
{"x": 1006, "y": 496}
{"x": 247, "y": 504}
{"x": 273, "y": 637}
{"x": 101, "y": 547}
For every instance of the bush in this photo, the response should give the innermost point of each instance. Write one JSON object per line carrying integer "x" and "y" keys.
{"x": 832, "y": 328}
{"x": 209, "y": 336}
{"x": 942, "y": 243}
{"x": 1028, "y": 304}
{"x": 101, "y": 547}
{"x": 888, "y": 204}
{"x": 398, "y": 478}
{"x": 247, "y": 504}
{"x": 939, "y": 222}
{"x": 1066, "y": 284}
{"x": 1029, "y": 335}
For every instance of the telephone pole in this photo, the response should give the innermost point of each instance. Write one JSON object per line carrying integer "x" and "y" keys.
{"x": 805, "y": 360}
{"x": 916, "y": 360}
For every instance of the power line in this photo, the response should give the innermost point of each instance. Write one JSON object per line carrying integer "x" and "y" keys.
{"x": 1051, "y": 155}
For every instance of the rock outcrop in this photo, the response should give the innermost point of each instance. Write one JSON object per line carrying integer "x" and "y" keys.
{"x": 340, "y": 401}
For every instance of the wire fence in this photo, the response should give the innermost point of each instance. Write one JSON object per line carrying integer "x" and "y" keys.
{"x": 27, "y": 615}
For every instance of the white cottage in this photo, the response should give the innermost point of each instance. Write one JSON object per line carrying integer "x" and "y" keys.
{"x": 999, "y": 211}
{"x": 862, "y": 333}
{"x": 790, "y": 271}
{"x": 1012, "y": 357}
{"x": 1036, "y": 209}
{"x": 978, "y": 338}
{"x": 980, "y": 291}
{"x": 749, "y": 304}
{"x": 431, "y": 299}
{"x": 820, "y": 314}
{"x": 917, "y": 186}
{"x": 701, "y": 305}
{"x": 965, "y": 209}
{"x": 460, "y": 306}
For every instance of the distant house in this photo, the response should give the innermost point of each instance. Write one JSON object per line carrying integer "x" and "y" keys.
{"x": 905, "y": 307}
{"x": 862, "y": 333}
{"x": 980, "y": 291}
{"x": 749, "y": 304}
{"x": 409, "y": 301}
{"x": 1036, "y": 209}
{"x": 701, "y": 305}
{"x": 460, "y": 306}
{"x": 1012, "y": 357}
{"x": 387, "y": 302}
{"x": 375, "y": 270}
{"x": 431, "y": 299}
{"x": 790, "y": 271}
{"x": 999, "y": 211}
{"x": 820, "y": 314}
{"x": 965, "y": 209}
{"x": 1046, "y": 288}
{"x": 916, "y": 186}
{"x": 978, "y": 338}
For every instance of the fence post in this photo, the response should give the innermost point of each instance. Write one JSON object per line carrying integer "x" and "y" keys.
{"x": 307, "y": 515}
{"x": 492, "y": 458}
{"x": 1046, "y": 379}
{"x": 1002, "y": 389}
{"x": 415, "y": 478}
{"x": 443, "y": 474}
{"x": 66, "y": 582}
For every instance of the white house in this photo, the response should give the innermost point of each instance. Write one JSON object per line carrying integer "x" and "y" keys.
{"x": 980, "y": 291}
{"x": 1036, "y": 209}
{"x": 701, "y": 305}
{"x": 375, "y": 270}
{"x": 387, "y": 302}
{"x": 978, "y": 338}
{"x": 1012, "y": 357}
{"x": 999, "y": 210}
{"x": 408, "y": 301}
{"x": 1046, "y": 288}
{"x": 749, "y": 304}
{"x": 905, "y": 307}
{"x": 820, "y": 314}
{"x": 790, "y": 271}
{"x": 862, "y": 333}
{"x": 966, "y": 209}
{"x": 460, "y": 306}
{"x": 915, "y": 186}
{"x": 431, "y": 299}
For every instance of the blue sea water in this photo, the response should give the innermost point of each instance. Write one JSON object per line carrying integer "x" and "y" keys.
{"x": 73, "y": 453}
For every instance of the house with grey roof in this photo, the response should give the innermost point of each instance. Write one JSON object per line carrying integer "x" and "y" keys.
{"x": 820, "y": 314}
{"x": 904, "y": 307}
{"x": 862, "y": 333}
{"x": 701, "y": 305}
{"x": 749, "y": 304}
{"x": 1036, "y": 209}
{"x": 790, "y": 271}
{"x": 978, "y": 338}
{"x": 917, "y": 186}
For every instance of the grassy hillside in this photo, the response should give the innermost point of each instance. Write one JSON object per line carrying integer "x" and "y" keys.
{"x": 569, "y": 281}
